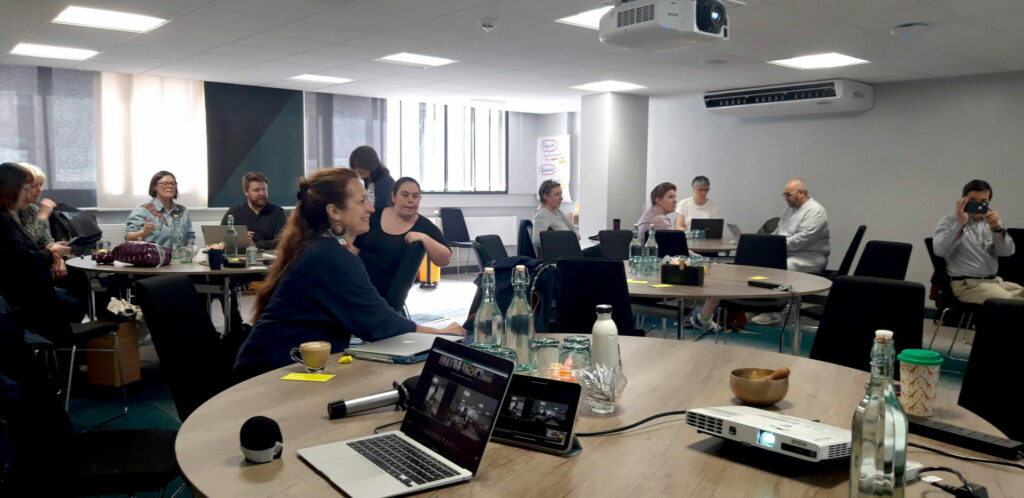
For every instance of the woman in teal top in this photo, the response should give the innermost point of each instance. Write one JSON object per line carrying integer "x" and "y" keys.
{"x": 153, "y": 221}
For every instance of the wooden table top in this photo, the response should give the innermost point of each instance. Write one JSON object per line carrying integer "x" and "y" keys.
{"x": 87, "y": 264}
{"x": 663, "y": 458}
{"x": 711, "y": 245}
{"x": 730, "y": 281}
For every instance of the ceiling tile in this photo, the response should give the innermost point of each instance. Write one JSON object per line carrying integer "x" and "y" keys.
{"x": 63, "y": 35}
{"x": 319, "y": 32}
{"x": 32, "y": 12}
{"x": 884, "y": 20}
{"x": 91, "y": 65}
{"x": 978, "y": 9}
{"x": 264, "y": 40}
{"x": 837, "y": 8}
{"x": 1010, "y": 23}
{"x": 419, "y": 9}
{"x": 392, "y": 44}
{"x": 349, "y": 17}
{"x": 290, "y": 10}
{"x": 259, "y": 53}
{"x": 230, "y": 19}
{"x": 186, "y": 37}
{"x": 37, "y": 61}
{"x": 976, "y": 41}
{"x": 438, "y": 33}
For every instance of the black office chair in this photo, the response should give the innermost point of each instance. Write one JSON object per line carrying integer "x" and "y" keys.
{"x": 856, "y": 308}
{"x": 453, "y": 225}
{"x": 405, "y": 275}
{"x": 47, "y": 458}
{"x": 851, "y": 252}
{"x": 1011, "y": 268}
{"x": 583, "y": 284}
{"x": 671, "y": 243}
{"x": 884, "y": 259}
{"x": 489, "y": 248}
{"x": 946, "y": 301}
{"x": 193, "y": 356}
{"x": 996, "y": 347}
{"x": 615, "y": 243}
{"x": 524, "y": 240}
{"x": 769, "y": 226}
{"x": 768, "y": 251}
{"x": 556, "y": 244}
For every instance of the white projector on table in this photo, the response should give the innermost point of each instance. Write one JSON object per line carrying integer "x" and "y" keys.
{"x": 792, "y": 436}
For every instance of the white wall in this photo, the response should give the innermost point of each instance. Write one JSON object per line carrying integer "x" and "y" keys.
{"x": 896, "y": 168}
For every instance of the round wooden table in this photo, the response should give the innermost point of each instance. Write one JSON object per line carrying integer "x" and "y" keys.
{"x": 725, "y": 281}
{"x": 711, "y": 245}
{"x": 662, "y": 458}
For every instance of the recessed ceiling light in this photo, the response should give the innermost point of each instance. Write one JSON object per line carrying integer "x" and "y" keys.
{"x": 52, "y": 52}
{"x": 108, "y": 19}
{"x": 608, "y": 86}
{"x": 316, "y": 78}
{"x": 590, "y": 19}
{"x": 417, "y": 60}
{"x": 820, "y": 61}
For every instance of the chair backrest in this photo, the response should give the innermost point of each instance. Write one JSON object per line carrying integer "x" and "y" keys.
{"x": 524, "y": 240}
{"x": 768, "y": 226}
{"x": 851, "y": 252}
{"x": 27, "y": 286}
{"x": 405, "y": 275}
{"x": 615, "y": 243}
{"x": 489, "y": 248}
{"x": 186, "y": 342}
{"x": 884, "y": 259}
{"x": 556, "y": 244}
{"x": 856, "y": 308}
{"x": 940, "y": 277}
{"x": 1011, "y": 268}
{"x": 585, "y": 283}
{"x": 768, "y": 251}
{"x": 671, "y": 243}
{"x": 453, "y": 224}
{"x": 996, "y": 348}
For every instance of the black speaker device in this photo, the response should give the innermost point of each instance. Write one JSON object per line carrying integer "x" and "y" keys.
{"x": 261, "y": 439}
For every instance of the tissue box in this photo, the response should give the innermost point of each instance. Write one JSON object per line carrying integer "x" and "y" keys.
{"x": 690, "y": 275}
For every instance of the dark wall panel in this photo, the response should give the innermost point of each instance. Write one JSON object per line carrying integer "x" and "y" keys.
{"x": 251, "y": 128}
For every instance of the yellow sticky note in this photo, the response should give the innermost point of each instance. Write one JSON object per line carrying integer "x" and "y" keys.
{"x": 758, "y": 278}
{"x": 345, "y": 359}
{"x": 658, "y": 286}
{"x": 308, "y": 377}
{"x": 636, "y": 281}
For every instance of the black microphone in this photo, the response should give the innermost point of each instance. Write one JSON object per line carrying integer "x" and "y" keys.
{"x": 399, "y": 395}
{"x": 261, "y": 439}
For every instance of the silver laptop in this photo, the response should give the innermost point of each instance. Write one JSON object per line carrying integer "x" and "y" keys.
{"x": 735, "y": 230}
{"x": 405, "y": 348}
{"x": 214, "y": 234}
{"x": 443, "y": 436}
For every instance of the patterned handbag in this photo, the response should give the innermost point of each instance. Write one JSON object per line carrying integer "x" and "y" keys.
{"x": 142, "y": 253}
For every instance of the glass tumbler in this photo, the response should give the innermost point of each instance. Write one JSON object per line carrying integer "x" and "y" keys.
{"x": 544, "y": 352}
{"x": 575, "y": 355}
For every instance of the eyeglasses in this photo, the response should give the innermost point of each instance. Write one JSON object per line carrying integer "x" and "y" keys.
{"x": 790, "y": 194}
{"x": 167, "y": 184}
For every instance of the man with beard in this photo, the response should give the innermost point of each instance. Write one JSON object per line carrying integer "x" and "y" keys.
{"x": 263, "y": 219}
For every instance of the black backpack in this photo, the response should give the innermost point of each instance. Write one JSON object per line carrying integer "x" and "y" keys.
{"x": 76, "y": 226}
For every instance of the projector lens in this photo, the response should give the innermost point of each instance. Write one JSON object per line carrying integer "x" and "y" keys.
{"x": 710, "y": 16}
{"x": 765, "y": 438}
{"x": 715, "y": 15}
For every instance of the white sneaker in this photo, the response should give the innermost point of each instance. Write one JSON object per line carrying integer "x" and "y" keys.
{"x": 766, "y": 318}
{"x": 701, "y": 325}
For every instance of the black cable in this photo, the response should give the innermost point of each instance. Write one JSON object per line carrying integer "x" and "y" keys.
{"x": 967, "y": 458}
{"x": 630, "y": 426}
{"x": 376, "y": 430}
{"x": 943, "y": 469}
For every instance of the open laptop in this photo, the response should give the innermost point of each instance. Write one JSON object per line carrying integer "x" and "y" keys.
{"x": 214, "y": 234}
{"x": 712, "y": 227}
{"x": 735, "y": 230}
{"x": 442, "y": 438}
{"x": 405, "y": 348}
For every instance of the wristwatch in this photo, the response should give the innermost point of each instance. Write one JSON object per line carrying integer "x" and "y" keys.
{"x": 999, "y": 229}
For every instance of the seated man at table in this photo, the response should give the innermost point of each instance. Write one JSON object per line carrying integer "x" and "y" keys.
{"x": 263, "y": 219}
{"x": 971, "y": 240}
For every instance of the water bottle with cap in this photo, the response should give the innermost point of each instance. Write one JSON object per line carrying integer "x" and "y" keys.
{"x": 878, "y": 457}
{"x": 519, "y": 326}
{"x": 605, "y": 339}
{"x": 488, "y": 324}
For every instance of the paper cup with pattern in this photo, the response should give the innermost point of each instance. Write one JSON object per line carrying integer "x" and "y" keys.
{"x": 919, "y": 380}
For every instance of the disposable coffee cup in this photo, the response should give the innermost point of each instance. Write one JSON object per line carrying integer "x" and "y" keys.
{"x": 919, "y": 380}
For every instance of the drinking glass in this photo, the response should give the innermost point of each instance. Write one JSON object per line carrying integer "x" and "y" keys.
{"x": 577, "y": 353}
{"x": 544, "y": 352}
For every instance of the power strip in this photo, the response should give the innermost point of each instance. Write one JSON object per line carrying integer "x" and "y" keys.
{"x": 965, "y": 438}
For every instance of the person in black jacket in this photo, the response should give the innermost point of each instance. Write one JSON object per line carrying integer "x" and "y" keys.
{"x": 376, "y": 177}
{"x": 263, "y": 219}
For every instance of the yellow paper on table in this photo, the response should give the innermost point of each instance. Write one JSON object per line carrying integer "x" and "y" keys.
{"x": 658, "y": 286}
{"x": 308, "y": 377}
{"x": 758, "y": 278}
{"x": 628, "y": 281}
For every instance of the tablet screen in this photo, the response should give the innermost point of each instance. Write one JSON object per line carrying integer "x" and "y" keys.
{"x": 538, "y": 413}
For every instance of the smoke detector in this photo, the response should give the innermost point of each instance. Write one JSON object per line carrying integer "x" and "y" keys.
{"x": 905, "y": 31}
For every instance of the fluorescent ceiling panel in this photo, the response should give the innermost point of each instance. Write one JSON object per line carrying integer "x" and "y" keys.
{"x": 52, "y": 52}
{"x": 608, "y": 86}
{"x": 405, "y": 58}
{"x": 108, "y": 19}
{"x": 316, "y": 78}
{"x": 590, "y": 19}
{"x": 820, "y": 61}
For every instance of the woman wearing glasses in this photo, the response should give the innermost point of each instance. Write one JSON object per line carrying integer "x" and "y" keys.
{"x": 153, "y": 221}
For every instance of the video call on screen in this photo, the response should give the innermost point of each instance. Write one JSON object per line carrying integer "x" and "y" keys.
{"x": 538, "y": 418}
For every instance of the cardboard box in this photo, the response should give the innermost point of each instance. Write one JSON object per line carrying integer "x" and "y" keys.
{"x": 103, "y": 366}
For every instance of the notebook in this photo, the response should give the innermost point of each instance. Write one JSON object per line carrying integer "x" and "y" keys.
{"x": 735, "y": 230}
{"x": 712, "y": 227}
{"x": 214, "y": 234}
{"x": 406, "y": 348}
{"x": 442, "y": 438}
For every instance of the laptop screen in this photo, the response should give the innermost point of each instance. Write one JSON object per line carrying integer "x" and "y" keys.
{"x": 456, "y": 402}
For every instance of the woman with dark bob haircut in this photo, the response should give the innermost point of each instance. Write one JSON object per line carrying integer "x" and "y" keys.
{"x": 153, "y": 221}
{"x": 376, "y": 177}
{"x": 318, "y": 290}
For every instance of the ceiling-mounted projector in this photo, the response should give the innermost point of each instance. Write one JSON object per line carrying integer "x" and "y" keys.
{"x": 664, "y": 24}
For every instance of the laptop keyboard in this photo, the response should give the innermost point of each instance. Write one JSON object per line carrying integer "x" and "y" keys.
{"x": 401, "y": 460}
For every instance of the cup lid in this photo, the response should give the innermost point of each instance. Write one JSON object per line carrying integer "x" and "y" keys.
{"x": 920, "y": 357}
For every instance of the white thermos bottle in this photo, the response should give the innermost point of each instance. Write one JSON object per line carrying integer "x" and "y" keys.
{"x": 605, "y": 340}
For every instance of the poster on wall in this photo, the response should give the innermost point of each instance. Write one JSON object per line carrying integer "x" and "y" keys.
{"x": 553, "y": 162}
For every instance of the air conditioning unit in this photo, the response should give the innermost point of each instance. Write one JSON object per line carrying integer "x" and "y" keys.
{"x": 813, "y": 97}
{"x": 664, "y": 24}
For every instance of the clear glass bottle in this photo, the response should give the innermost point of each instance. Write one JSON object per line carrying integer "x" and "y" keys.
{"x": 519, "y": 316}
{"x": 879, "y": 431}
{"x": 231, "y": 239}
{"x": 636, "y": 252}
{"x": 488, "y": 324}
{"x": 651, "y": 253}
{"x": 176, "y": 238}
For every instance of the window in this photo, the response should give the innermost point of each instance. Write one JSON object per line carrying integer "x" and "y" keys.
{"x": 337, "y": 124}
{"x": 46, "y": 118}
{"x": 448, "y": 148}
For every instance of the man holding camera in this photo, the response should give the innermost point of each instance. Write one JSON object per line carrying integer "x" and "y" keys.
{"x": 971, "y": 240}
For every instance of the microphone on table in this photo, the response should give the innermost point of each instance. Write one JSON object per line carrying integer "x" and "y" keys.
{"x": 261, "y": 439}
{"x": 399, "y": 395}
